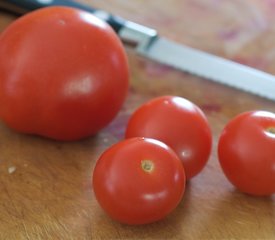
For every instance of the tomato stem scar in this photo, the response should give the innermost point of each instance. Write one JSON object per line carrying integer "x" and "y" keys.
{"x": 271, "y": 130}
{"x": 147, "y": 165}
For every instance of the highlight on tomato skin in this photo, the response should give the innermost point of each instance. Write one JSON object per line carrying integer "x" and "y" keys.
{"x": 138, "y": 181}
{"x": 63, "y": 73}
{"x": 180, "y": 124}
{"x": 246, "y": 152}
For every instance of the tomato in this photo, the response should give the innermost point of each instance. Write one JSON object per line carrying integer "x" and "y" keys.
{"x": 246, "y": 151}
{"x": 138, "y": 181}
{"x": 180, "y": 124}
{"x": 63, "y": 74}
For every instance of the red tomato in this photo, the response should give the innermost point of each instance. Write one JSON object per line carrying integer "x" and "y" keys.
{"x": 63, "y": 73}
{"x": 138, "y": 181}
{"x": 246, "y": 152}
{"x": 180, "y": 124}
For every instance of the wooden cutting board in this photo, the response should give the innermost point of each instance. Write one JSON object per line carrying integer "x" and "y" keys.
{"x": 45, "y": 185}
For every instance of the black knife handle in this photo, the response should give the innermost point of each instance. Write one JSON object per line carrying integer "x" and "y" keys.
{"x": 23, "y": 6}
{"x": 130, "y": 33}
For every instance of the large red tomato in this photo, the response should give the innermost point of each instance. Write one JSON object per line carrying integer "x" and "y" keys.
{"x": 180, "y": 124}
{"x": 138, "y": 181}
{"x": 63, "y": 73}
{"x": 246, "y": 152}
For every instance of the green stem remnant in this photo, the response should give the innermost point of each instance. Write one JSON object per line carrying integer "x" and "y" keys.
{"x": 271, "y": 130}
{"x": 147, "y": 165}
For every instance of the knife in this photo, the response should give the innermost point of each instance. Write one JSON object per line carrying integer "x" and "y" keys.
{"x": 148, "y": 43}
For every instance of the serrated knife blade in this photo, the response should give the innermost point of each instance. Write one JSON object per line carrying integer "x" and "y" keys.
{"x": 211, "y": 67}
{"x": 149, "y": 44}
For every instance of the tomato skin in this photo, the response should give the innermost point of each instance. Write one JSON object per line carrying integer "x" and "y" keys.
{"x": 180, "y": 124}
{"x": 246, "y": 152}
{"x": 63, "y": 74}
{"x": 127, "y": 192}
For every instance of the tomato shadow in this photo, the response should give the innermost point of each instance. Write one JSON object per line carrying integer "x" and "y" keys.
{"x": 169, "y": 228}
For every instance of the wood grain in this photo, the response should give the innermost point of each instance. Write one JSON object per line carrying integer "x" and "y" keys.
{"x": 45, "y": 185}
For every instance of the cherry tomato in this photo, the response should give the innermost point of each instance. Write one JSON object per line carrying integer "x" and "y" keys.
{"x": 246, "y": 151}
{"x": 63, "y": 73}
{"x": 138, "y": 181}
{"x": 180, "y": 124}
